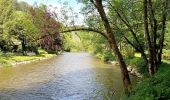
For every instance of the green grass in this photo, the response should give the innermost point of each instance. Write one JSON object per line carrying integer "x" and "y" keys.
{"x": 166, "y": 61}
{"x": 7, "y": 59}
{"x": 166, "y": 51}
{"x": 137, "y": 55}
{"x": 156, "y": 87}
{"x": 26, "y": 58}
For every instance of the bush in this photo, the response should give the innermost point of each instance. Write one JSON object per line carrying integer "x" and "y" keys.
{"x": 106, "y": 56}
{"x": 138, "y": 62}
{"x": 9, "y": 54}
{"x": 41, "y": 51}
{"x": 156, "y": 87}
{"x": 33, "y": 48}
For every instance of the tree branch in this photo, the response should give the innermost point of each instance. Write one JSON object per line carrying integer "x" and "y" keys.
{"x": 85, "y": 29}
{"x": 125, "y": 21}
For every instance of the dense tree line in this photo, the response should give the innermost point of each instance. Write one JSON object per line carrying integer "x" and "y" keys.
{"x": 28, "y": 27}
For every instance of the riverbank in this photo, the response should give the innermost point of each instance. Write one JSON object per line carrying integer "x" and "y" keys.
{"x": 134, "y": 64}
{"x": 9, "y": 60}
{"x": 156, "y": 87}
{"x": 132, "y": 69}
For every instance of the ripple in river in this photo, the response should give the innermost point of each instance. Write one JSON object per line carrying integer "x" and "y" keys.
{"x": 70, "y": 76}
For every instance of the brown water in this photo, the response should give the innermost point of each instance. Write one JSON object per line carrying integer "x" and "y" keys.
{"x": 70, "y": 76}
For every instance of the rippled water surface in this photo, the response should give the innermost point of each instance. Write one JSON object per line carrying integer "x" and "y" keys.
{"x": 70, "y": 76}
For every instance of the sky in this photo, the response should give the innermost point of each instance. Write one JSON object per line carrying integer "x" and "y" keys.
{"x": 71, "y": 3}
{"x": 58, "y": 3}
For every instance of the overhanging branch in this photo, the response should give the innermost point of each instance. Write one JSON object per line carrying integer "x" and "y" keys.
{"x": 85, "y": 29}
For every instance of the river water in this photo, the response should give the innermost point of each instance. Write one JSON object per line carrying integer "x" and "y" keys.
{"x": 69, "y": 76}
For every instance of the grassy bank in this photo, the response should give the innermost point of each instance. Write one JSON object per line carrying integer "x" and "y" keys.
{"x": 6, "y": 60}
{"x": 156, "y": 87}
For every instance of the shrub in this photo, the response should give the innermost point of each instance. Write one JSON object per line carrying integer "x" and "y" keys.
{"x": 138, "y": 62}
{"x": 156, "y": 87}
{"x": 106, "y": 56}
{"x": 41, "y": 51}
{"x": 33, "y": 48}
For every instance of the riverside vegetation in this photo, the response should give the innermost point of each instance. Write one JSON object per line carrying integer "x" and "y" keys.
{"x": 10, "y": 59}
{"x": 131, "y": 32}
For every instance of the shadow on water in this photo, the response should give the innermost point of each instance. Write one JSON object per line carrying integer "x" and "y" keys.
{"x": 71, "y": 76}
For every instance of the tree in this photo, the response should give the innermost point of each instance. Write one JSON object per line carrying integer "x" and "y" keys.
{"x": 6, "y": 9}
{"x": 24, "y": 28}
{"x": 50, "y": 38}
{"x": 155, "y": 49}
{"x": 111, "y": 39}
{"x": 129, "y": 13}
{"x": 126, "y": 20}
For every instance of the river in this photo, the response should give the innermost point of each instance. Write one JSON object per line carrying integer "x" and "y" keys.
{"x": 69, "y": 76}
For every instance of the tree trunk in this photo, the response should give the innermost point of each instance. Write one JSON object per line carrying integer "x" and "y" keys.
{"x": 112, "y": 41}
{"x": 153, "y": 24}
{"x": 148, "y": 38}
{"x": 144, "y": 57}
{"x": 164, "y": 15}
{"x": 24, "y": 46}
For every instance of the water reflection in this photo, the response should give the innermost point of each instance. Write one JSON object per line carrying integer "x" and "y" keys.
{"x": 70, "y": 76}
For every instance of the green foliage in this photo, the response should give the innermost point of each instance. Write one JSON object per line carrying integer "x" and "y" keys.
{"x": 72, "y": 42}
{"x": 24, "y": 20}
{"x": 167, "y": 36}
{"x": 31, "y": 23}
{"x": 156, "y": 87}
{"x": 7, "y": 59}
{"x": 106, "y": 56}
{"x": 11, "y": 21}
{"x": 4, "y": 63}
{"x": 138, "y": 62}
{"x": 33, "y": 47}
{"x": 90, "y": 42}
{"x": 41, "y": 51}
{"x": 166, "y": 51}
{"x": 127, "y": 51}
{"x": 6, "y": 8}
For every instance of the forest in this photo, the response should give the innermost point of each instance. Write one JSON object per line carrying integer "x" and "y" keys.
{"x": 132, "y": 34}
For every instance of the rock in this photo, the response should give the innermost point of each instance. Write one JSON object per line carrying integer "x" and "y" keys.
{"x": 133, "y": 71}
{"x": 129, "y": 68}
{"x": 138, "y": 74}
{"x": 114, "y": 62}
